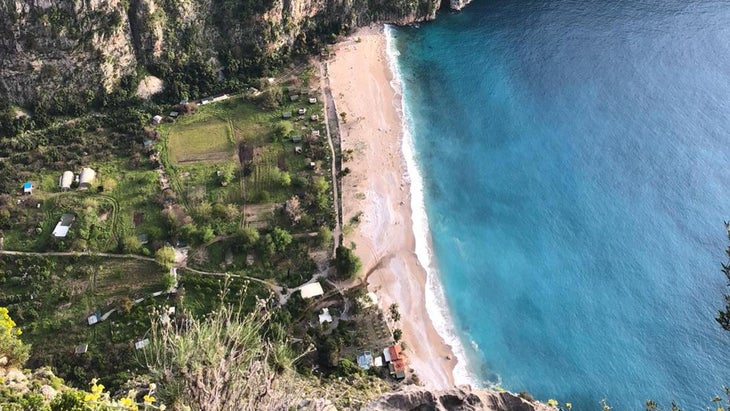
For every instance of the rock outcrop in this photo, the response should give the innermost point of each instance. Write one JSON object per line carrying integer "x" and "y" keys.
{"x": 461, "y": 398}
{"x": 71, "y": 52}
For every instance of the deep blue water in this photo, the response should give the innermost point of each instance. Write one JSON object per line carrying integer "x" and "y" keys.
{"x": 576, "y": 163}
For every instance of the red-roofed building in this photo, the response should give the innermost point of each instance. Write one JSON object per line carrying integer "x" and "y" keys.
{"x": 396, "y": 362}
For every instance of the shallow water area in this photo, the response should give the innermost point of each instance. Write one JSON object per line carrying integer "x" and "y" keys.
{"x": 573, "y": 157}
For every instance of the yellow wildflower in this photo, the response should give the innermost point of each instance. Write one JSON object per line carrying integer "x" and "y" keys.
{"x": 148, "y": 399}
{"x": 126, "y": 402}
{"x": 91, "y": 397}
{"x": 97, "y": 388}
{"x": 553, "y": 403}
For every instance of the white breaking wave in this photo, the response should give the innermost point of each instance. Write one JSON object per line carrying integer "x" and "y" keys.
{"x": 436, "y": 305}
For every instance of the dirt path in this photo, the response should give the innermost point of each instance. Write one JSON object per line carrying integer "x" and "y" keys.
{"x": 330, "y": 111}
{"x": 76, "y": 254}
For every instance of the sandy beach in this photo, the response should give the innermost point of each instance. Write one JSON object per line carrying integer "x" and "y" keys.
{"x": 377, "y": 187}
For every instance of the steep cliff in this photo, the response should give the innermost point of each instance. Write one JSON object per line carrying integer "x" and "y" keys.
{"x": 462, "y": 399}
{"x": 60, "y": 48}
{"x": 70, "y": 52}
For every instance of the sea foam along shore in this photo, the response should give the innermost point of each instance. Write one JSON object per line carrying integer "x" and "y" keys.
{"x": 378, "y": 186}
{"x": 436, "y": 304}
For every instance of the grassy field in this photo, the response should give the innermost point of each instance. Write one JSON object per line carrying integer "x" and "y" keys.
{"x": 209, "y": 140}
{"x": 213, "y": 132}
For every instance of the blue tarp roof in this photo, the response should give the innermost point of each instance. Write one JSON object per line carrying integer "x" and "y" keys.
{"x": 27, "y": 184}
{"x": 365, "y": 360}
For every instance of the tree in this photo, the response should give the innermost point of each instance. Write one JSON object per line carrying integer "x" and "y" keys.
{"x": 165, "y": 257}
{"x": 248, "y": 236}
{"x": 346, "y": 262}
{"x": 168, "y": 281}
{"x": 284, "y": 179}
{"x": 282, "y": 130}
{"x": 394, "y": 312}
{"x": 11, "y": 347}
{"x": 324, "y": 235}
{"x": 206, "y": 234}
{"x": 281, "y": 239}
{"x": 397, "y": 334}
{"x": 271, "y": 97}
{"x": 266, "y": 246}
{"x": 131, "y": 244}
{"x": 226, "y": 175}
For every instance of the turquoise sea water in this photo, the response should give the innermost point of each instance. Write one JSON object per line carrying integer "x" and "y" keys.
{"x": 575, "y": 161}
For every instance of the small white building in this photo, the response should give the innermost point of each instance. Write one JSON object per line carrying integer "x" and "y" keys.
{"x": 312, "y": 100}
{"x": 92, "y": 319}
{"x": 157, "y": 119}
{"x": 325, "y": 317}
{"x": 311, "y": 290}
{"x": 64, "y": 182}
{"x": 87, "y": 177}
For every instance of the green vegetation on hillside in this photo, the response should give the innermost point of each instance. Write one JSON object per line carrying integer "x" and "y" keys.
{"x": 229, "y": 203}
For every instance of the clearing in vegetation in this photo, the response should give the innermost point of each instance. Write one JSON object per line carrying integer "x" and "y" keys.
{"x": 201, "y": 141}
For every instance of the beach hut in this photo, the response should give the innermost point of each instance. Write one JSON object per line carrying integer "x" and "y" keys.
{"x": 302, "y": 111}
{"x": 81, "y": 349}
{"x": 141, "y": 344}
{"x": 296, "y": 139}
{"x": 92, "y": 319}
{"x": 314, "y": 117}
{"x": 65, "y": 180}
{"x": 174, "y": 114}
{"x": 286, "y": 114}
{"x": 311, "y": 290}
{"x": 157, "y": 119}
{"x": 87, "y": 177}
{"x": 28, "y": 187}
{"x": 315, "y": 134}
{"x": 312, "y": 100}
{"x": 298, "y": 149}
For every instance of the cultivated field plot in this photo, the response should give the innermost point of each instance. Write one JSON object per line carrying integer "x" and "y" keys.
{"x": 51, "y": 299}
{"x": 202, "y": 141}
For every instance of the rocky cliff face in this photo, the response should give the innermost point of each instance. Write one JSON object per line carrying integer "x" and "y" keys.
{"x": 74, "y": 50}
{"x": 462, "y": 399}
{"x": 51, "y": 47}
